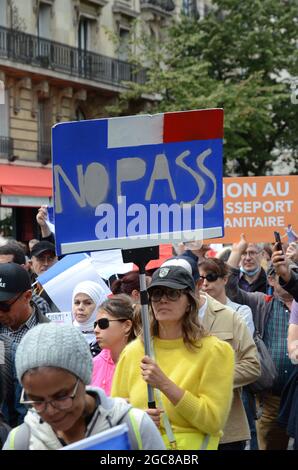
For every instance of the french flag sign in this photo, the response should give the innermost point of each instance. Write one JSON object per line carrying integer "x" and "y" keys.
{"x": 138, "y": 181}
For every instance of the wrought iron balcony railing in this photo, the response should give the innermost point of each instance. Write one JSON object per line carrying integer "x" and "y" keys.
{"x": 44, "y": 152}
{"x": 166, "y": 5}
{"x": 28, "y": 49}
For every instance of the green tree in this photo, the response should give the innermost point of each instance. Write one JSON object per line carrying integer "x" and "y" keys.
{"x": 238, "y": 58}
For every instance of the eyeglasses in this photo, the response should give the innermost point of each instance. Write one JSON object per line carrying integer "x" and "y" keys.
{"x": 104, "y": 323}
{"x": 5, "y": 307}
{"x": 251, "y": 254}
{"x": 211, "y": 277}
{"x": 171, "y": 294}
{"x": 62, "y": 403}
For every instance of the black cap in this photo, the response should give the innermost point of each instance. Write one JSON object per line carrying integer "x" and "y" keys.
{"x": 14, "y": 279}
{"x": 175, "y": 277}
{"x": 41, "y": 247}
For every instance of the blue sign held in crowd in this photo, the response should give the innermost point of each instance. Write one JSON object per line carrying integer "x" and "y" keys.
{"x": 115, "y": 438}
{"x": 138, "y": 181}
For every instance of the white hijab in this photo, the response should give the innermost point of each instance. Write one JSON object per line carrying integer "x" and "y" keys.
{"x": 98, "y": 295}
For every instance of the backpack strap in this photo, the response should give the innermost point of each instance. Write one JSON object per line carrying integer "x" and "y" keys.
{"x": 135, "y": 424}
{"x": 135, "y": 417}
{"x": 12, "y": 436}
{"x": 19, "y": 437}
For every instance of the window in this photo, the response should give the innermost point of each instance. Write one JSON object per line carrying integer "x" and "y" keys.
{"x": 123, "y": 50}
{"x": 190, "y": 8}
{"x": 3, "y": 12}
{"x": 44, "y": 21}
{"x": 5, "y": 141}
{"x": 44, "y": 131}
{"x": 80, "y": 115}
{"x": 84, "y": 34}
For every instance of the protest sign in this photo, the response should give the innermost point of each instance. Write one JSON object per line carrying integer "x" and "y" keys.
{"x": 60, "y": 279}
{"x": 137, "y": 181}
{"x": 259, "y": 205}
{"x": 113, "y": 439}
{"x": 62, "y": 318}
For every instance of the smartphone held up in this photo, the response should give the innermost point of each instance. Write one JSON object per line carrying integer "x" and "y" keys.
{"x": 278, "y": 242}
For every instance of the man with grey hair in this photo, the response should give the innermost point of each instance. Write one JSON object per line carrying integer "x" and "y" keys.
{"x": 253, "y": 277}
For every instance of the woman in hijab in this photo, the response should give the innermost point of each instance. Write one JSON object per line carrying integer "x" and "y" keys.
{"x": 87, "y": 296}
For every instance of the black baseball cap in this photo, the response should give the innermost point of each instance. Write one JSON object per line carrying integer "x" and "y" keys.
{"x": 14, "y": 279}
{"x": 175, "y": 277}
{"x": 42, "y": 247}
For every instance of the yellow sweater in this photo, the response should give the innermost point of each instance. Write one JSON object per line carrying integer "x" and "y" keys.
{"x": 205, "y": 374}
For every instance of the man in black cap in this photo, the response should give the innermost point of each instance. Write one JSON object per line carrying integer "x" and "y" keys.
{"x": 11, "y": 252}
{"x": 43, "y": 257}
{"x": 17, "y": 313}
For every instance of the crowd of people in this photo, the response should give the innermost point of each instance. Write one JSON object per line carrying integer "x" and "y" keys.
{"x": 223, "y": 341}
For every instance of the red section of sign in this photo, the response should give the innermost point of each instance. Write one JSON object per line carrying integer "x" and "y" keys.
{"x": 193, "y": 125}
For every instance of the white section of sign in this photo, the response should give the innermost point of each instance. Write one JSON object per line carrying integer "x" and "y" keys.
{"x": 50, "y": 226}
{"x": 138, "y": 242}
{"x": 109, "y": 262}
{"x": 135, "y": 130}
{"x": 62, "y": 318}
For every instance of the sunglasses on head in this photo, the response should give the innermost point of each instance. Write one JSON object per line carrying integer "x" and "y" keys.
{"x": 210, "y": 277}
{"x": 157, "y": 293}
{"x": 104, "y": 323}
{"x": 5, "y": 307}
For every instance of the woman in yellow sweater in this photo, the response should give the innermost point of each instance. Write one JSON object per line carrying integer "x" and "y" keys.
{"x": 192, "y": 373}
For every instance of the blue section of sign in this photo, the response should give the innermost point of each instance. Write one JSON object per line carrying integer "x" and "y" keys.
{"x": 115, "y": 443}
{"x": 87, "y": 176}
{"x": 115, "y": 438}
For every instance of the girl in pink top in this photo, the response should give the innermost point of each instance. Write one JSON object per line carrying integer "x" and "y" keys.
{"x": 114, "y": 328}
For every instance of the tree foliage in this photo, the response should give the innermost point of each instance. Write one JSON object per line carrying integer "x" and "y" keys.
{"x": 238, "y": 57}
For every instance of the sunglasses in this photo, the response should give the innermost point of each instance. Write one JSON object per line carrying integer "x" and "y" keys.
{"x": 104, "y": 323}
{"x": 171, "y": 294}
{"x": 5, "y": 307}
{"x": 211, "y": 277}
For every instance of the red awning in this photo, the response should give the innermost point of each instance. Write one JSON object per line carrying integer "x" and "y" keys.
{"x": 25, "y": 181}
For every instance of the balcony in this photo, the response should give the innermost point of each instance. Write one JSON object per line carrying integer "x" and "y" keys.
{"x": 38, "y": 52}
{"x": 6, "y": 148}
{"x": 164, "y": 6}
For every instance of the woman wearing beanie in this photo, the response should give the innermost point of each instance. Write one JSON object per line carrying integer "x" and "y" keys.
{"x": 114, "y": 328}
{"x": 87, "y": 296}
{"x": 190, "y": 371}
{"x": 54, "y": 365}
